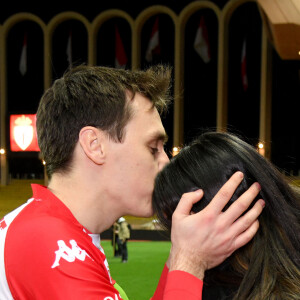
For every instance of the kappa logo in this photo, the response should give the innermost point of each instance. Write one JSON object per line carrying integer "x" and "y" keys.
{"x": 69, "y": 254}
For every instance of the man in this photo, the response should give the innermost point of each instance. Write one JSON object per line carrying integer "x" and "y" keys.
{"x": 102, "y": 138}
{"x": 124, "y": 235}
{"x": 116, "y": 242}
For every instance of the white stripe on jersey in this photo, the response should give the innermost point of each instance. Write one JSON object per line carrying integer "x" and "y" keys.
{"x": 5, "y": 293}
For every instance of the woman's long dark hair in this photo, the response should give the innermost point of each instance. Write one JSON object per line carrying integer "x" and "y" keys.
{"x": 268, "y": 267}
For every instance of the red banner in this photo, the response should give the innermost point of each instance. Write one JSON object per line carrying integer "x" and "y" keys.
{"x": 23, "y": 135}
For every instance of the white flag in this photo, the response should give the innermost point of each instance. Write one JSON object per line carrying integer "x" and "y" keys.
{"x": 69, "y": 49}
{"x": 153, "y": 45}
{"x": 23, "y": 58}
{"x": 201, "y": 43}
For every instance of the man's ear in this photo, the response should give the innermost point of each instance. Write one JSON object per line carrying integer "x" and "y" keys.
{"x": 92, "y": 141}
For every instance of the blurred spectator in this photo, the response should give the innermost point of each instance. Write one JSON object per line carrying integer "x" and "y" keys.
{"x": 124, "y": 235}
{"x": 116, "y": 243}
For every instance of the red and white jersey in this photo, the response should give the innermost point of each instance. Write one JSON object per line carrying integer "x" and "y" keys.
{"x": 178, "y": 285}
{"x": 46, "y": 254}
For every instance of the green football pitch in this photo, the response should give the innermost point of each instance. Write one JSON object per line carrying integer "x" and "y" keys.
{"x": 140, "y": 275}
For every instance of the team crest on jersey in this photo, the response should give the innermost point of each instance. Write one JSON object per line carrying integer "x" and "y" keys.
{"x": 69, "y": 254}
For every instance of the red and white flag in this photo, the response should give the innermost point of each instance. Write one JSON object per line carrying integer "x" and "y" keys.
{"x": 244, "y": 67}
{"x": 23, "y": 58}
{"x": 69, "y": 49}
{"x": 120, "y": 54}
{"x": 153, "y": 45}
{"x": 201, "y": 43}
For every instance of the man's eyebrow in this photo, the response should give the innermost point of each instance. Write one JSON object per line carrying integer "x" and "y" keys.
{"x": 159, "y": 136}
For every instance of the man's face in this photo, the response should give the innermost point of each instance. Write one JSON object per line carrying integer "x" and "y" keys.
{"x": 133, "y": 164}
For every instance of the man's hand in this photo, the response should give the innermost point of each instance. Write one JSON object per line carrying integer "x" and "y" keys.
{"x": 203, "y": 240}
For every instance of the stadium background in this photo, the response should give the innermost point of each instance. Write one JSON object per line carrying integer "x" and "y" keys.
{"x": 85, "y": 32}
{"x": 201, "y": 100}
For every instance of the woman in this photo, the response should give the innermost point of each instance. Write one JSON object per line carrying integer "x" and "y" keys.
{"x": 268, "y": 267}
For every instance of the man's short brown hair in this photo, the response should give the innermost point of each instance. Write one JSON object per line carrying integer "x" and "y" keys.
{"x": 93, "y": 96}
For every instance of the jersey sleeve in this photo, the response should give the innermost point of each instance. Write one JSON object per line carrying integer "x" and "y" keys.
{"x": 159, "y": 292}
{"x": 178, "y": 285}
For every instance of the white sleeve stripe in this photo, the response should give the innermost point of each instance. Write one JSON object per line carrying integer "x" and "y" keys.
{"x": 5, "y": 293}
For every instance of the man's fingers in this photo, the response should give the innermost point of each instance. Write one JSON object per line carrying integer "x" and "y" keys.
{"x": 187, "y": 200}
{"x": 246, "y": 236}
{"x": 246, "y": 221}
{"x": 237, "y": 208}
{"x": 225, "y": 193}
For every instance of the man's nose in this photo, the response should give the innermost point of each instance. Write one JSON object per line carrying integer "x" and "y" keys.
{"x": 164, "y": 159}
